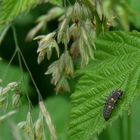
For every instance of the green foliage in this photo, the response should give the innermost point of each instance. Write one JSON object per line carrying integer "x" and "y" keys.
{"x": 135, "y": 19}
{"x": 135, "y": 5}
{"x": 116, "y": 67}
{"x": 10, "y": 9}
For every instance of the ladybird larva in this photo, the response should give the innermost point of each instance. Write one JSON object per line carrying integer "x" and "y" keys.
{"x": 111, "y": 103}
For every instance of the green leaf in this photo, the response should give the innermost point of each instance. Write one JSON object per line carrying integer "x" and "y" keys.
{"x": 10, "y": 9}
{"x": 135, "y": 5}
{"x": 135, "y": 18}
{"x": 116, "y": 66}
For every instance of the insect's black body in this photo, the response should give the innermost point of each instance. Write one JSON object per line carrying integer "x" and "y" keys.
{"x": 110, "y": 103}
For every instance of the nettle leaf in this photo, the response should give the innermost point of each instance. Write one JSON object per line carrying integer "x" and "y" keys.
{"x": 10, "y": 9}
{"x": 116, "y": 66}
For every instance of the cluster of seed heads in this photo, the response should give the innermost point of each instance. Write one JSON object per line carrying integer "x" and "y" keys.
{"x": 79, "y": 25}
{"x": 4, "y": 98}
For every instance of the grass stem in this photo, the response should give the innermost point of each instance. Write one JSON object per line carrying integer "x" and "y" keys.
{"x": 129, "y": 127}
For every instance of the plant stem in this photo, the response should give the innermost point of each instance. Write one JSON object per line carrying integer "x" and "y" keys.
{"x": 4, "y": 33}
{"x": 129, "y": 126}
{"x": 121, "y": 129}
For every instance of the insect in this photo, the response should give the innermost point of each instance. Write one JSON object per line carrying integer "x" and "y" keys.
{"x": 111, "y": 103}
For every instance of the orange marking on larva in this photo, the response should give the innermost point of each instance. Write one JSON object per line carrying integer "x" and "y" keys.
{"x": 109, "y": 106}
{"x": 112, "y": 99}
